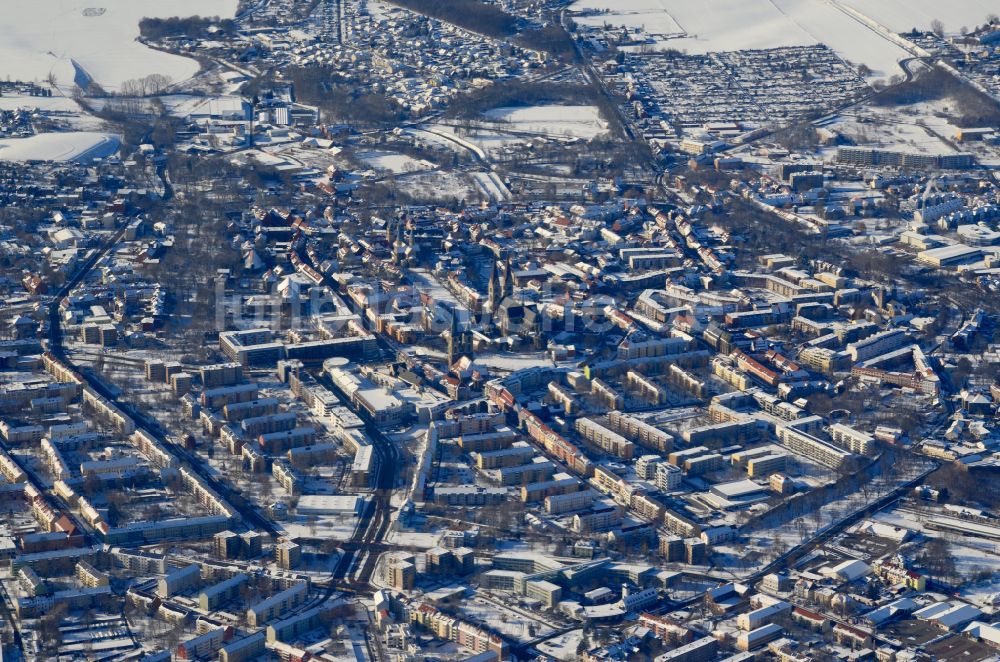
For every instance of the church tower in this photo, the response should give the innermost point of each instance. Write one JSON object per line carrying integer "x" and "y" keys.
{"x": 495, "y": 295}
{"x": 459, "y": 342}
{"x": 397, "y": 245}
{"x": 508, "y": 279}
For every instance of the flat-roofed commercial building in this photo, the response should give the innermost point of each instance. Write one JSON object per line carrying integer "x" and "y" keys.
{"x": 947, "y": 256}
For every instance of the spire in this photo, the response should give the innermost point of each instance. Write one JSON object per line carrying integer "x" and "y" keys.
{"x": 396, "y": 247}
{"x": 494, "y": 288}
{"x": 508, "y": 278}
{"x": 454, "y": 339}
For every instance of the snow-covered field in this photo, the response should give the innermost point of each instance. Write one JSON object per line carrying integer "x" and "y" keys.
{"x": 419, "y": 539}
{"x": 69, "y": 39}
{"x": 850, "y": 39}
{"x": 63, "y": 110}
{"x": 184, "y": 105}
{"x": 730, "y": 25}
{"x": 194, "y": 106}
{"x": 506, "y": 127}
{"x": 903, "y": 15}
{"x": 552, "y": 120}
{"x": 647, "y": 15}
{"x": 707, "y": 26}
{"x": 921, "y": 127}
{"x": 867, "y": 130}
{"x": 48, "y": 104}
{"x": 441, "y": 185}
{"x": 68, "y": 146}
{"x": 391, "y": 162}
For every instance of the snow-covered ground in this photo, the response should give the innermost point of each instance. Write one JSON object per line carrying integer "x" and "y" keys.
{"x": 735, "y": 559}
{"x": 510, "y": 623}
{"x": 68, "y": 146}
{"x": 441, "y": 186}
{"x": 184, "y": 105}
{"x": 904, "y": 15}
{"x": 506, "y": 127}
{"x": 850, "y": 39}
{"x": 702, "y": 27}
{"x": 427, "y": 283}
{"x": 63, "y": 110}
{"x": 912, "y": 128}
{"x": 491, "y": 186}
{"x": 72, "y": 40}
{"x": 919, "y": 127}
{"x": 395, "y": 163}
{"x": 647, "y": 15}
{"x": 47, "y": 104}
{"x": 732, "y": 25}
{"x": 552, "y": 120}
{"x": 511, "y": 362}
{"x": 974, "y": 557}
{"x": 419, "y": 539}
{"x": 564, "y": 646}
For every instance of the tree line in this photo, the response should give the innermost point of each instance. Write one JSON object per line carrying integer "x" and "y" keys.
{"x": 192, "y": 27}
{"x": 972, "y": 108}
{"x": 520, "y": 93}
{"x": 472, "y": 15}
{"x": 551, "y": 39}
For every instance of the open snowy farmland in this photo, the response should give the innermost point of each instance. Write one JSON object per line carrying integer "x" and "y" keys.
{"x": 849, "y": 38}
{"x": 47, "y": 104}
{"x": 701, "y": 27}
{"x": 646, "y": 15}
{"x": 77, "y": 41}
{"x": 733, "y": 25}
{"x": 61, "y": 110}
{"x": 67, "y": 146}
{"x": 904, "y": 15}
